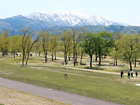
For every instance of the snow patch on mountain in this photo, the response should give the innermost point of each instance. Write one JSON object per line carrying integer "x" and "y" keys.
{"x": 71, "y": 19}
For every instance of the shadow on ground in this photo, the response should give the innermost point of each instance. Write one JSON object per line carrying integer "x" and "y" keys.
{"x": 94, "y": 68}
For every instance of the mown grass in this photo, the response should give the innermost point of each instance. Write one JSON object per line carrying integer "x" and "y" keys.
{"x": 51, "y": 74}
{"x": 103, "y": 86}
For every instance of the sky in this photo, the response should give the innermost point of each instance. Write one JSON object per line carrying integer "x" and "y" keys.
{"x": 124, "y": 11}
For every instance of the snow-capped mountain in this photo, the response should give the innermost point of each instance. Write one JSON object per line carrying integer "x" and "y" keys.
{"x": 55, "y": 23}
{"x": 71, "y": 19}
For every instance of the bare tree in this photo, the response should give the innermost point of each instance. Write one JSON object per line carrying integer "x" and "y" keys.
{"x": 66, "y": 41}
{"x": 27, "y": 43}
{"x": 45, "y": 41}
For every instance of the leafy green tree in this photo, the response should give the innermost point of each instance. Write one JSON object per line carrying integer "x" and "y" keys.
{"x": 37, "y": 47}
{"x": 66, "y": 42}
{"x": 56, "y": 43}
{"x": 116, "y": 36}
{"x": 54, "y": 40}
{"x": 104, "y": 42}
{"x": 74, "y": 45}
{"x": 81, "y": 52}
{"x": 81, "y": 35}
{"x": 128, "y": 48}
{"x": 27, "y": 43}
{"x": 45, "y": 42}
{"x": 4, "y": 42}
{"x": 25, "y": 36}
{"x": 137, "y": 41}
{"x": 89, "y": 45}
{"x": 15, "y": 44}
{"x": 76, "y": 38}
{"x": 29, "y": 46}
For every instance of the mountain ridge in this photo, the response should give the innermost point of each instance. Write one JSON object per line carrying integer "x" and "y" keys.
{"x": 59, "y": 23}
{"x": 72, "y": 19}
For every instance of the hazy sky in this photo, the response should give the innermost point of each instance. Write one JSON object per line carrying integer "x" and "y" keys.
{"x": 125, "y": 11}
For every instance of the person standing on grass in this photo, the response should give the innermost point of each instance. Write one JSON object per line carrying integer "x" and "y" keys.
{"x": 121, "y": 74}
{"x": 131, "y": 73}
{"x": 128, "y": 74}
{"x": 136, "y": 73}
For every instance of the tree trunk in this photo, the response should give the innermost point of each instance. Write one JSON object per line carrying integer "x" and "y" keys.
{"x": 96, "y": 57}
{"x": 55, "y": 55}
{"x": 27, "y": 59}
{"x": 130, "y": 66}
{"x": 39, "y": 53}
{"x": 99, "y": 58}
{"x": 69, "y": 56}
{"x": 23, "y": 57}
{"x": 52, "y": 56}
{"x": 135, "y": 63}
{"x": 14, "y": 55}
{"x": 45, "y": 57}
{"x": 65, "y": 57}
{"x": 76, "y": 55}
{"x": 3, "y": 54}
{"x": 90, "y": 60}
{"x": 116, "y": 62}
{"x": 81, "y": 57}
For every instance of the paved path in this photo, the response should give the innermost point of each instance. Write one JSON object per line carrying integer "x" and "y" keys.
{"x": 53, "y": 94}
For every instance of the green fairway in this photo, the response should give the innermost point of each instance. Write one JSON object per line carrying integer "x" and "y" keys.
{"x": 93, "y": 84}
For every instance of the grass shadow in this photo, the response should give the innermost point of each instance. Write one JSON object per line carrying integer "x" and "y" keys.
{"x": 94, "y": 68}
{"x": 104, "y": 65}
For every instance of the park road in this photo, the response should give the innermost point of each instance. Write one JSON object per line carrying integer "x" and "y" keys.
{"x": 53, "y": 94}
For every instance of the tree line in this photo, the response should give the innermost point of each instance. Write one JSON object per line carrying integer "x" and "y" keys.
{"x": 73, "y": 44}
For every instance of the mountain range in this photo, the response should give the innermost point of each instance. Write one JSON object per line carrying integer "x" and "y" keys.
{"x": 71, "y": 19}
{"x": 51, "y": 21}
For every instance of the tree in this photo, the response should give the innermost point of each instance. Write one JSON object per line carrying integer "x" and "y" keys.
{"x": 76, "y": 37}
{"x": 66, "y": 42}
{"x": 4, "y": 42}
{"x": 81, "y": 52}
{"x": 27, "y": 43}
{"x": 53, "y": 45}
{"x": 25, "y": 36}
{"x": 30, "y": 44}
{"x": 74, "y": 45}
{"x": 81, "y": 35}
{"x": 104, "y": 42}
{"x": 45, "y": 42}
{"x": 15, "y": 44}
{"x": 117, "y": 35}
{"x": 37, "y": 48}
{"x": 137, "y": 41}
{"x": 128, "y": 48}
{"x": 89, "y": 45}
{"x": 56, "y": 43}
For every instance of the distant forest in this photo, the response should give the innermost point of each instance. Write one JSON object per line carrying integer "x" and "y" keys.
{"x": 59, "y": 29}
{"x": 112, "y": 28}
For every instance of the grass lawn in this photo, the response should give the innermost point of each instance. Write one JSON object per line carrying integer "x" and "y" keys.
{"x": 15, "y": 97}
{"x": 99, "y": 85}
